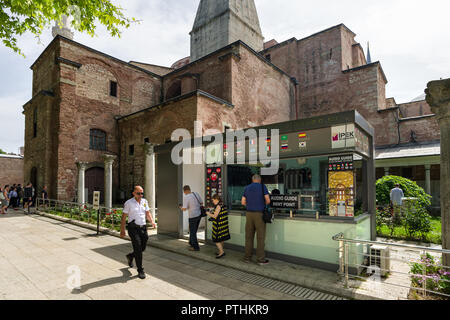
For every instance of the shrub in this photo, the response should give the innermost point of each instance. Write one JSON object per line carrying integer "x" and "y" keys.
{"x": 417, "y": 220}
{"x": 437, "y": 279}
{"x": 410, "y": 189}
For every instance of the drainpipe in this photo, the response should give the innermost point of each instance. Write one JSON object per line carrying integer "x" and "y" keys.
{"x": 296, "y": 83}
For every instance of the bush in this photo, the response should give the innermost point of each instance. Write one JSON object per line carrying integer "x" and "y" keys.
{"x": 410, "y": 189}
{"x": 437, "y": 279}
{"x": 417, "y": 220}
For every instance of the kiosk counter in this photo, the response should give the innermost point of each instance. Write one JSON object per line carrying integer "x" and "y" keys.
{"x": 324, "y": 185}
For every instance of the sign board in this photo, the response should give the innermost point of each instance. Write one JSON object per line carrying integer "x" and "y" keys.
{"x": 343, "y": 136}
{"x": 213, "y": 183}
{"x": 341, "y": 192}
{"x": 285, "y": 202}
{"x": 340, "y": 163}
{"x": 96, "y": 200}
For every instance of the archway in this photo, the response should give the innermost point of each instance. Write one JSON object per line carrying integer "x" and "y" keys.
{"x": 33, "y": 178}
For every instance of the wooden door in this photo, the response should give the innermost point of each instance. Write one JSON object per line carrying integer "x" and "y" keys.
{"x": 95, "y": 181}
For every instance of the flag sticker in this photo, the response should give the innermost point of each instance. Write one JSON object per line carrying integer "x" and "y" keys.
{"x": 302, "y": 135}
{"x": 284, "y": 138}
{"x": 285, "y": 146}
{"x": 302, "y": 144}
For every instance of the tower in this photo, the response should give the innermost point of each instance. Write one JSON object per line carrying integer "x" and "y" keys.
{"x": 221, "y": 22}
{"x": 369, "y": 57}
{"x": 63, "y": 29}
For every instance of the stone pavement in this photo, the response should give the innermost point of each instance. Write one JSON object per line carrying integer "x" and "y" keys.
{"x": 37, "y": 252}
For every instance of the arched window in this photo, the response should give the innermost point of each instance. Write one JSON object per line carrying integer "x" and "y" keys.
{"x": 174, "y": 90}
{"x": 97, "y": 140}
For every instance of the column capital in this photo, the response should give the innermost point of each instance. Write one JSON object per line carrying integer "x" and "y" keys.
{"x": 82, "y": 165}
{"x": 438, "y": 97}
{"x": 149, "y": 148}
{"x": 109, "y": 158}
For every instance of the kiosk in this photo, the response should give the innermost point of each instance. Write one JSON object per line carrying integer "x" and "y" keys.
{"x": 324, "y": 185}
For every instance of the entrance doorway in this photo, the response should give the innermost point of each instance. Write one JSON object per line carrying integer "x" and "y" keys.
{"x": 95, "y": 181}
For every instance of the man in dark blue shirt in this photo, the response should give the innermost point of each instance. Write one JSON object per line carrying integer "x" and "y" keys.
{"x": 256, "y": 197}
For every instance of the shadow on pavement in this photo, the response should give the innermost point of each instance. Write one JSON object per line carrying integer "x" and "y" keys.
{"x": 126, "y": 276}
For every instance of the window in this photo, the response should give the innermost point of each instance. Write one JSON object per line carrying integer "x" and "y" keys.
{"x": 97, "y": 140}
{"x": 35, "y": 123}
{"x": 113, "y": 89}
{"x": 147, "y": 140}
{"x": 268, "y": 57}
{"x": 131, "y": 150}
{"x": 305, "y": 176}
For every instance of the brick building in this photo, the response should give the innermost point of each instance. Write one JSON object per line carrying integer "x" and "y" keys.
{"x": 91, "y": 114}
{"x": 11, "y": 170}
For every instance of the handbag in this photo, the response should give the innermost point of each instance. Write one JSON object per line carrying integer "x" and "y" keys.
{"x": 202, "y": 208}
{"x": 267, "y": 215}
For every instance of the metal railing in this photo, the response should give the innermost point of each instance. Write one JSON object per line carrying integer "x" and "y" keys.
{"x": 109, "y": 218}
{"x": 425, "y": 274}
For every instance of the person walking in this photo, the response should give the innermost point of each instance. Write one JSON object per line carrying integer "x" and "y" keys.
{"x": 220, "y": 229}
{"x": 396, "y": 196}
{"x": 255, "y": 198}
{"x": 27, "y": 197}
{"x": 192, "y": 202}
{"x": 137, "y": 210}
{"x": 19, "y": 195}
{"x": 13, "y": 198}
{"x": 44, "y": 196}
{"x": 4, "y": 199}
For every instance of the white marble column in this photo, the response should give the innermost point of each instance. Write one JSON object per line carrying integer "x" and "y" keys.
{"x": 150, "y": 177}
{"x": 386, "y": 171}
{"x": 438, "y": 97}
{"x": 428, "y": 178}
{"x": 81, "y": 171}
{"x": 109, "y": 160}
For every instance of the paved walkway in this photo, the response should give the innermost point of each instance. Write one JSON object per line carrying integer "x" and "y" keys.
{"x": 38, "y": 254}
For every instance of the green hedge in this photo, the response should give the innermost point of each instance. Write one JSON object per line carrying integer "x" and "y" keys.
{"x": 410, "y": 189}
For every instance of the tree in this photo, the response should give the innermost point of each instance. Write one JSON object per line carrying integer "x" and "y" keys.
{"x": 2, "y": 152}
{"x": 20, "y": 16}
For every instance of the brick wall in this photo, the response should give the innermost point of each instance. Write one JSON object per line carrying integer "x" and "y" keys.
{"x": 11, "y": 171}
{"x": 81, "y": 102}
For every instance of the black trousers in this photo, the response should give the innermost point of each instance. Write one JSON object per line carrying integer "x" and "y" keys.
{"x": 139, "y": 238}
{"x": 193, "y": 228}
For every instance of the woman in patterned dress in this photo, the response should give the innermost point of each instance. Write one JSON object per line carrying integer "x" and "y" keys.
{"x": 220, "y": 230}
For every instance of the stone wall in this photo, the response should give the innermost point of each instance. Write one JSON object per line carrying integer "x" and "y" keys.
{"x": 81, "y": 101}
{"x": 11, "y": 170}
{"x": 333, "y": 76}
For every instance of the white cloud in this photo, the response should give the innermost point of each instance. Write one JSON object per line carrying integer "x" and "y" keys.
{"x": 409, "y": 37}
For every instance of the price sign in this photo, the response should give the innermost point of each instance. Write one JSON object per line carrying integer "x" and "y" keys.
{"x": 96, "y": 200}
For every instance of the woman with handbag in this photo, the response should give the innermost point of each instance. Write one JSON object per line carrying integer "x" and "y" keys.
{"x": 220, "y": 230}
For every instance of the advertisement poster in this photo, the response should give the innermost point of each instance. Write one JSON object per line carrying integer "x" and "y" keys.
{"x": 341, "y": 193}
{"x": 213, "y": 184}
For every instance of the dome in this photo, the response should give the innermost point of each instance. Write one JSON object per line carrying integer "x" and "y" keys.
{"x": 419, "y": 98}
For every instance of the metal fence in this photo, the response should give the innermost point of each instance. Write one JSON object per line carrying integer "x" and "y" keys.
{"x": 427, "y": 275}
{"x": 109, "y": 218}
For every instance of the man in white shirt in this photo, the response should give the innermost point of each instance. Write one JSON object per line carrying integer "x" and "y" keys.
{"x": 137, "y": 210}
{"x": 396, "y": 200}
{"x": 192, "y": 202}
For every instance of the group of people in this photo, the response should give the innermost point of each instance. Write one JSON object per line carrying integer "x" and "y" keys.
{"x": 255, "y": 199}
{"x": 15, "y": 197}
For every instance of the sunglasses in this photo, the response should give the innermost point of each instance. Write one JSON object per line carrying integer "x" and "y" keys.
{"x": 139, "y": 193}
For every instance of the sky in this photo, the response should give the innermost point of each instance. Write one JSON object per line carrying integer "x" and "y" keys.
{"x": 411, "y": 39}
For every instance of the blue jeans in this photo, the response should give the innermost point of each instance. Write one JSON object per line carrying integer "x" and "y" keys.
{"x": 193, "y": 228}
